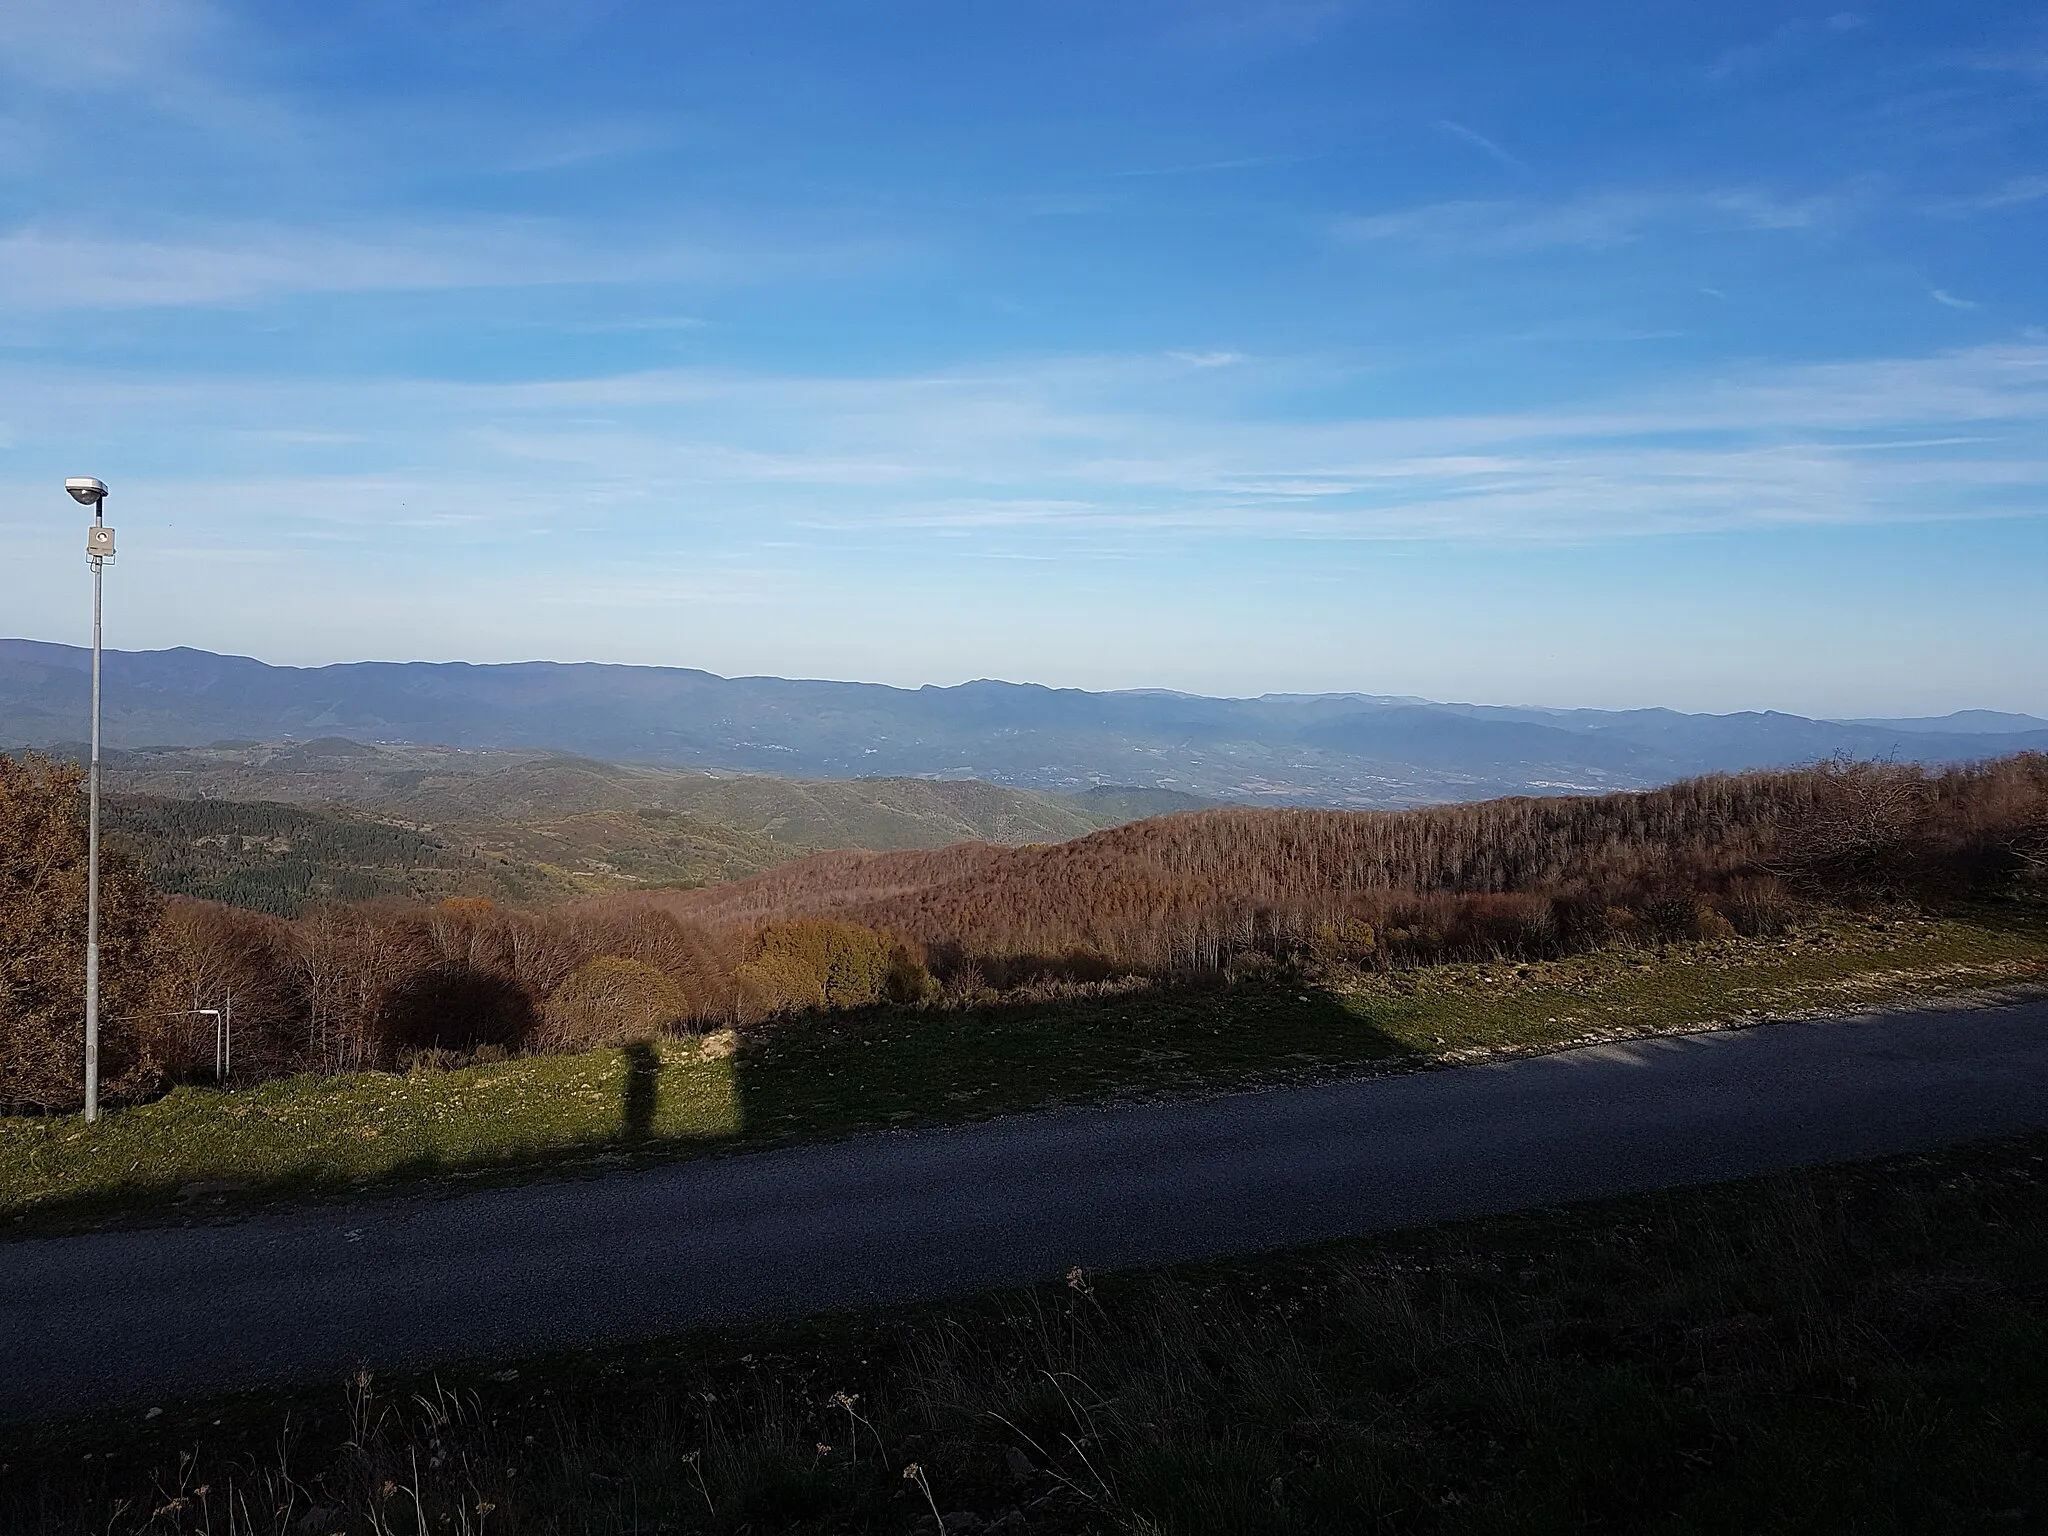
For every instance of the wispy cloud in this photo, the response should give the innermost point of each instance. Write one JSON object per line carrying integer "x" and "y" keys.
{"x": 80, "y": 45}
{"x": 559, "y": 148}
{"x": 1204, "y": 167}
{"x": 2018, "y": 192}
{"x": 1948, "y": 300}
{"x": 1594, "y": 221}
{"x": 43, "y": 269}
{"x": 1480, "y": 142}
{"x": 1784, "y": 44}
{"x": 1238, "y": 27}
{"x": 177, "y": 63}
{"x": 1084, "y": 450}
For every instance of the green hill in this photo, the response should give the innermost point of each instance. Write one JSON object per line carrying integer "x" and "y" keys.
{"x": 276, "y": 826}
{"x": 278, "y": 858}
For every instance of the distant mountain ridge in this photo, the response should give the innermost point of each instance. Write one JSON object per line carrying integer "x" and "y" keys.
{"x": 1966, "y": 721}
{"x": 1329, "y": 749}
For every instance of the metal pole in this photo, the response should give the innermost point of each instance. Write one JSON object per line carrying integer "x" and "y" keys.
{"x": 228, "y": 1023}
{"x": 92, "y": 863}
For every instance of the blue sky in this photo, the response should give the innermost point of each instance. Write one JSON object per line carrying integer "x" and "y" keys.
{"x": 1601, "y": 354}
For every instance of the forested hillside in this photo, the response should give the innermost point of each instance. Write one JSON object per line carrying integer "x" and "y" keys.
{"x": 355, "y": 984}
{"x": 274, "y": 828}
{"x": 1523, "y": 875}
{"x": 277, "y": 858}
{"x": 444, "y": 788}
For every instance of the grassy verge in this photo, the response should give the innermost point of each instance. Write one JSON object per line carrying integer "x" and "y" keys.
{"x": 1863, "y": 1348}
{"x": 889, "y": 1068}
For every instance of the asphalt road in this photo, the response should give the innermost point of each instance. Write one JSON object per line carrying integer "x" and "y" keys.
{"x": 148, "y": 1315}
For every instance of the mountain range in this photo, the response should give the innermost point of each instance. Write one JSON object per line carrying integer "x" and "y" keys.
{"x": 1351, "y": 749}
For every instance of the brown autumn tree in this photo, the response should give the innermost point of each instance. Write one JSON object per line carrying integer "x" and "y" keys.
{"x": 42, "y": 946}
{"x": 206, "y": 954}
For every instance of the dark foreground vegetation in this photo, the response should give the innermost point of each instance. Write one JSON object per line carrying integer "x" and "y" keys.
{"x": 1862, "y": 1348}
{"x": 374, "y": 985}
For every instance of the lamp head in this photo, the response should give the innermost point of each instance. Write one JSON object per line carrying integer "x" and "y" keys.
{"x": 85, "y": 490}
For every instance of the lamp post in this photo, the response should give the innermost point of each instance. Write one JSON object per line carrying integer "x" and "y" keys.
{"x": 99, "y": 549}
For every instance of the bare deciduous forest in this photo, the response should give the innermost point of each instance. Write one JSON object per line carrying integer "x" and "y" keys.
{"x": 351, "y": 986}
{"x": 1519, "y": 876}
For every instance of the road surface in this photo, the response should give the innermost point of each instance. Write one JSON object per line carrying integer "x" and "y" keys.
{"x": 148, "y": 1315}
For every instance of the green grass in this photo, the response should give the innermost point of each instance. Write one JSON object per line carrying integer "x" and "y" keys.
{"x": 879, "y": 1068}
{"x": 313, "y": 1134}
{"x": 1862, "y": 1348}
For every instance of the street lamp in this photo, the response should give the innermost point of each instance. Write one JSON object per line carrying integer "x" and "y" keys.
{"x": 99, "y": 549}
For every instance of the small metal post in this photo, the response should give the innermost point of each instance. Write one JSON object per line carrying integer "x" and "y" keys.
{"x": 228, "y": 1025}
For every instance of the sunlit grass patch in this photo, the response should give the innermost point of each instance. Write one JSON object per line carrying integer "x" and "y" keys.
{"x": 327, "y": 1132}
{"x": 1834, "y": 964}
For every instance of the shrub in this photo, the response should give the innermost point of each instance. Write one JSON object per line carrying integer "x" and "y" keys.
{"x": 1758, "y": 908}
{"x": 633, "y": 930}
{"x": 1671, "y": 917}
{"x": 771, "y": 984}
{"x": 1622, "y": 925}
{"x": 908, "y": 982}
{"x": 454, "y": 1007}
{"x": 1712, "y": 925}
{"x": 1353, "y": 939}
{"x": 818, "y": 963}
{"x": 611, "y": 1001}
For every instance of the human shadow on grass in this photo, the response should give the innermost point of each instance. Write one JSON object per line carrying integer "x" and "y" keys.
{"x": 642, "y": 1091}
